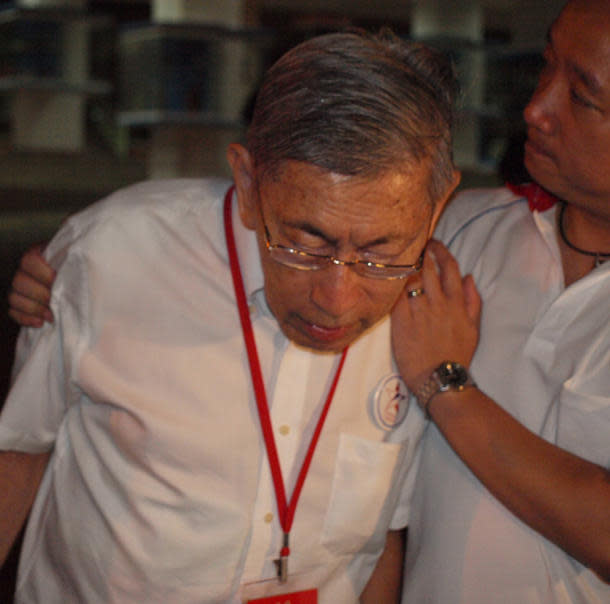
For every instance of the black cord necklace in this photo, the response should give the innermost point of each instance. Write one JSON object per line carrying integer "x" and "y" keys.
{"x": 600, "y": 257}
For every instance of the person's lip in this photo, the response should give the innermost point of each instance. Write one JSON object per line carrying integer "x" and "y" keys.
{"x": 323, "y": 333}
{"x": 535, "y": 148}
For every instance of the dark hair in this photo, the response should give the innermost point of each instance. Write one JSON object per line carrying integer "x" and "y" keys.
{"x": 357, "y": 104}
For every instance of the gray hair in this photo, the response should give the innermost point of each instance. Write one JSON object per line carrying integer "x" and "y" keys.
{"x": 357, "y": 104}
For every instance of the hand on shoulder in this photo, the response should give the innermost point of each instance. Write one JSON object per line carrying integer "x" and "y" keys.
{"x": 30, "y": 292}
{"x": 440, "y": 324}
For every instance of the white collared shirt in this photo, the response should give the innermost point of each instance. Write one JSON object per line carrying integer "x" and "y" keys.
{"x": 544, "y": 356}
{"x": 158, "y": 489}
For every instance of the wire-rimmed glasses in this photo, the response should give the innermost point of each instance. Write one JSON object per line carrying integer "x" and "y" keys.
{"x": 306, "y": 261}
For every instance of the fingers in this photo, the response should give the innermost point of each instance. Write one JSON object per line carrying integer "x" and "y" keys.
{"x": 24, "y": 319}
{"x": 472, "y": 299}
{"x": 447, "y": 269}
{"x": 30, "y": 292}
{"x": 430, "y": 278}
{"x": 26, "y": 288}
{"x": 33, "y": 264}
{"x": 442, "y": 323}
{"x": 441, "y": 282}
{"x": 27, "y": 311}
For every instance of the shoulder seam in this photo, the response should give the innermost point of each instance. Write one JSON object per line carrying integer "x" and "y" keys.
{"x": 484, "y": 212}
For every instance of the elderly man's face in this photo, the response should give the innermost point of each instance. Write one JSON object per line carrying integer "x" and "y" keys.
{"x": 568, "y": 118}
{"x": 386, "y": 219}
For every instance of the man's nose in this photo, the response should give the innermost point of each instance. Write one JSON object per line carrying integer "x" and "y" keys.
{"x": 337, "y": 290}
{"x": 539, "y": 113}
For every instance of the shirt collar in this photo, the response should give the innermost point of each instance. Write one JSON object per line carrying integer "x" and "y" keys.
{"x": 546, "y": 223}
{"x": 543, "y": 206}
{"x": 537, "y": 197}
{"x": 249, "y": 261}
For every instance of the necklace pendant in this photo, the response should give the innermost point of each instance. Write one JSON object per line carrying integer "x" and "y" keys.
{"x": 601, "y": 259}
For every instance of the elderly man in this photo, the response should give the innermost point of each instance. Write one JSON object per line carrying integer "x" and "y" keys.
{"x": 512, "y": 501}
{"x": 214, "y": 415}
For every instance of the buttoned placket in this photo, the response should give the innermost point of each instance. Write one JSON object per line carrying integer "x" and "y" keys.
{"x": 556, "y": 317}
{"x": 287, "y": 393}
{"x": 287, "y": 397}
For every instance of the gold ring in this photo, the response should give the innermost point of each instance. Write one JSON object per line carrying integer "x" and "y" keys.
{"x": 413, "y": 293}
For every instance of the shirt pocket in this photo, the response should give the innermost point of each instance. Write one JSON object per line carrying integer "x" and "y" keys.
{"x": 365, "y": 489}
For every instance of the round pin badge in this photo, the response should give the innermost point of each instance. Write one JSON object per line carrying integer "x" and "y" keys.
{"x": 390, "y": 402}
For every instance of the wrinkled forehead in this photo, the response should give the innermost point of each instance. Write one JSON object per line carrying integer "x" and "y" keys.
{"x": 405, "y": 174}
{"x": 392, "y": 204}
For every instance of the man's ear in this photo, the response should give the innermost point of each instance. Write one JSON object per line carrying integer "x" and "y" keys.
{"x": 242, "y": 168}
{"x": 444, "y": 200}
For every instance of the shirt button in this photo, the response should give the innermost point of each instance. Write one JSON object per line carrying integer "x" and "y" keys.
{"x": 284, "y": 430}
{"x": 252, "y": 309}
{"x": 268, "y": 517}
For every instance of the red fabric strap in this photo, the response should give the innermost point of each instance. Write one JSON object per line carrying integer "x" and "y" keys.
{"x": 286, "y": 510}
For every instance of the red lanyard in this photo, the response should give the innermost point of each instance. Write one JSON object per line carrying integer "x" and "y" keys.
{"x": 286, "y": 510}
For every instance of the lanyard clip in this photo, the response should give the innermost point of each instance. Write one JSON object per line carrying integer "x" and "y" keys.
{"x": 282, "y": 563}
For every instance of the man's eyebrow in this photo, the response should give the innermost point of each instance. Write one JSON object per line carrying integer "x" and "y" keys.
{"x": 307, "y": 227}
{"x": 316, "y": 232}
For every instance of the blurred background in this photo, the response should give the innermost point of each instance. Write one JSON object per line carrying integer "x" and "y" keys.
{"x": 98, "y": 94}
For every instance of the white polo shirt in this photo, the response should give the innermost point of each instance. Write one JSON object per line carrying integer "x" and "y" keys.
{"x": 544, "y": 356}
{"x": 159, "y": 489}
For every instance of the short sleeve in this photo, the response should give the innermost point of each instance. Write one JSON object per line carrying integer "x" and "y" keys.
{"x": 43, "y": 384}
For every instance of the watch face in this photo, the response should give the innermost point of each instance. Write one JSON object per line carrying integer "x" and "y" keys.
{"x": 452, "y": 375}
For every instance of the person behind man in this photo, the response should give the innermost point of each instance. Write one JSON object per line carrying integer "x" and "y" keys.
{"x": 181, "y": 307}
{"x": 512, "y": 499}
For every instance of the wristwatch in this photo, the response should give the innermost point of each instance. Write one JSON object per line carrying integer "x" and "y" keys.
{"x": 449, "y": 375}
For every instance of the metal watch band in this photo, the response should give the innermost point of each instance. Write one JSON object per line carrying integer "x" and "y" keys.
{"x": 426, "y": 391}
